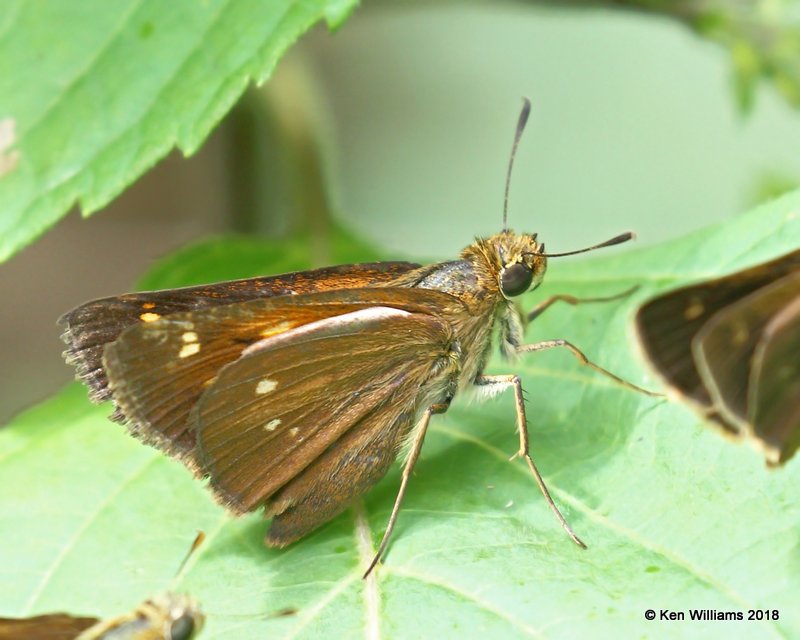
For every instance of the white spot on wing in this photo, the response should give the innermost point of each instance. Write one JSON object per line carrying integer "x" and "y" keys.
{"x": 294, "y": 431}
{"x": 265, "y": 386}
{"x": 189, "y": 350}
{"x": 189, "y": 336}
{"x": 695, "y": 309}
{"x": 272, "y": 424}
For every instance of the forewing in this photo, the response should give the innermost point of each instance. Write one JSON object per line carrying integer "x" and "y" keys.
{"x": 774, "y": 393}
{"x": 725, "y": 346}
{"x": 292, "y": 397}
{"x": 158, "y": 370}
{"x": 53, "y": 626}
{"x": 91, "y": 326}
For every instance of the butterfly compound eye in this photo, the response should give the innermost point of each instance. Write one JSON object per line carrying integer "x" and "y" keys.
{"x": 515, "y": 279}
{"x": 182, "y": 628}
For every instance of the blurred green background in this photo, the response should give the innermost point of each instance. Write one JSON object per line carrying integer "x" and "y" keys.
{"x": 399, "y": 126}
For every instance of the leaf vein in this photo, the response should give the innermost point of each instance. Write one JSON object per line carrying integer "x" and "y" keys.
{"x": 73, "y": 540}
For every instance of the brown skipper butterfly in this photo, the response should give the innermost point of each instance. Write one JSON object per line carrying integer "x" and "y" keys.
{"x": 297, "y": 392}
{"x": 730, "y": 347}
{"x": 168, "y": 616}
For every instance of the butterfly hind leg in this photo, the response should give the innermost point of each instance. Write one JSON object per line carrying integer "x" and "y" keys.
{"x": 416, "y": 447}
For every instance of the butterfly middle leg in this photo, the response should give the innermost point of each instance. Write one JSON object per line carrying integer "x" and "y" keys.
{"x": 514, "y": 381}
{"x": 581, "y": 357}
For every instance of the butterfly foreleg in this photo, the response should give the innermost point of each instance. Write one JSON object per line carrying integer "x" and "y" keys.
{"x": 540, "y": 308}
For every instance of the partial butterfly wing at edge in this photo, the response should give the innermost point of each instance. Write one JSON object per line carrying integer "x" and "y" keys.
{"x": 724, "y": 349}
{"x": 774, "y": 391}
{"x": 51, "y": 626}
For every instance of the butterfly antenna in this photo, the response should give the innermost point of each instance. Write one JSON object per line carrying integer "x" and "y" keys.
{"x": 199, "y": 538}
{"x": 523, "y": 120}
{"x": 623, "y": 237}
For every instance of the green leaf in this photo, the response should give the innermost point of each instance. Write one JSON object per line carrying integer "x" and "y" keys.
{"x": 92, "y": 94}
{"x": 675, "y": 516}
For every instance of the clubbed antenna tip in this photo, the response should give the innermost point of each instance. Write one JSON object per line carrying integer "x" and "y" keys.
{"x": 523, "y": 120}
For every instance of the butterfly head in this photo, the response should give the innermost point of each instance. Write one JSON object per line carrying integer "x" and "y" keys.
{"x": 521, "y": 263}
{"x": 179, "y": 615}
{"x": 518, "y": 262}
{"x": 508, "y": 262}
